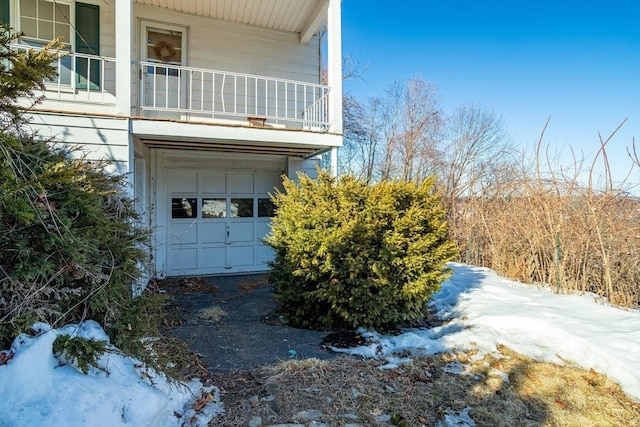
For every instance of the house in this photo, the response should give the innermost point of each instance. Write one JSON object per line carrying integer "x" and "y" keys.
{"x": 204, "y": 104}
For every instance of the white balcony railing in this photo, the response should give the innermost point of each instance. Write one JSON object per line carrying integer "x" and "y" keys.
{"x": 193, "y": 93}
{"x": 80, "y": 77}
{"x": 190, "y": 93}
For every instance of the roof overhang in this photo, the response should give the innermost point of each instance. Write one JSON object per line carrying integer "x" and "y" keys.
{"x": 226, "y": 138}
{"x": 304, "y": 17}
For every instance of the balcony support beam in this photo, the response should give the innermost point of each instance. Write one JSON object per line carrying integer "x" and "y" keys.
{"x": 334, "y": 65}
{"x": 312, "y": 25}
{"x": 124, "y": 36}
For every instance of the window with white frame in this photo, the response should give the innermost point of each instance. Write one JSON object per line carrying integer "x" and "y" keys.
{"x": 44, "y": 20}
{"x": 41, "y": 21}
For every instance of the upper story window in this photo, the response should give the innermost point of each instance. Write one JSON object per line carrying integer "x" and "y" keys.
{"x": 78, "y": 26}
{"x": 43, "y": 20}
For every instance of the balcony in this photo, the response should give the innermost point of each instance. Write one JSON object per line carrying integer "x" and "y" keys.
{"x": 188, "y": 93}
{"x": 201, "y": 94}
{"x": 80, "y": 78}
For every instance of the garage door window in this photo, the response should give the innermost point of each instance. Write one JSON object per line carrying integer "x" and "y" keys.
{"x": 183, "y": 207}
{"x": 214, "y": 208}
{"x": 242, "y": 208}
{"x": 266, "y": 208}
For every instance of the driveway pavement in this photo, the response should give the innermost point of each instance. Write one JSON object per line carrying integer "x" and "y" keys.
{"x": 250, "y": 335}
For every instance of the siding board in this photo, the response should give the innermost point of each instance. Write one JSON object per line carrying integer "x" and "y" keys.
{"x": 101, "y": 138}
{"x": 227, "y": 46}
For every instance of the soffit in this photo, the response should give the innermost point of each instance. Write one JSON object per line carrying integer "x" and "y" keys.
{"x": 242, "y": 147}
{"x": 282, "y": 15}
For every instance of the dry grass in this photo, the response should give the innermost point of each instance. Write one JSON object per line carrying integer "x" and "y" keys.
{"x": 186, "y": 285}
{"x": 357, "y": 391}
{"x": 213, "y": 313}
{"x": 554, "y": 228}
{"x": 251, "y": 284}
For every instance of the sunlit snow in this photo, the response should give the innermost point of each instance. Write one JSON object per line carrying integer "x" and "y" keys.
{"x": 481, "y": 311}
{"x": 484, "y": 310}
{"x": 36, "y": 390}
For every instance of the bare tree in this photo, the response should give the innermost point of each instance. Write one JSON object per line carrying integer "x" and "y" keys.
{"x": 412, "y": 124}
{"x": 477, "y": 147}
{"x": 405, "y": 135}
{"x": 374, "y": 140}
{"x": 355, "y": 134}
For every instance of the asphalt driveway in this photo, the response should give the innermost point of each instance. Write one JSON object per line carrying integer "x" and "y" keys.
{"x": 250, "y": 335}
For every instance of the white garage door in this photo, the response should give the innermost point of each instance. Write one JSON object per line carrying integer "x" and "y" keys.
{"x": 217, "y": 221}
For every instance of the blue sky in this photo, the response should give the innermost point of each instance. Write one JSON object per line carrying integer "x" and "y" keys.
{"x": 576, "y": 61}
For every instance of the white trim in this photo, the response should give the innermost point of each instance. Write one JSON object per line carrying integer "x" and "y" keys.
{"x": 124, "y": 33}
{"x": 334, "y": 161}
{"x": 311, "y": 26}
{"x": 167, "y": 130}
{"x": 145, "y": 25}
{"x": 334, "y": 65}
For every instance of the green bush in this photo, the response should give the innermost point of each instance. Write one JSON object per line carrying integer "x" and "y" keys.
{"x": 80, "y": 352}
{"x": 70, "y": 246}
{"x": 349, "y": 254}
{"x": 71, "y": 249}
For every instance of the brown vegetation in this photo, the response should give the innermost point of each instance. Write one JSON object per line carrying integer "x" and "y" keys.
{"x": 348, "y": 390}
{"x": 555, "y": 228}
{"x": 549, "y": 221}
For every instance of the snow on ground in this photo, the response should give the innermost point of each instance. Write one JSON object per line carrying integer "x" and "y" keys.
{"x": 484, "y": 310}
{"x": 36, "y": 390}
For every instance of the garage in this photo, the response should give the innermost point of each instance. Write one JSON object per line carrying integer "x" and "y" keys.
{"x": 215, "y": 218}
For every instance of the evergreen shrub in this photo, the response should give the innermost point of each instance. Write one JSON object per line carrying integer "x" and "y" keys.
{"x": 350, "y": 254}
{"x": 70, "y": 246}
{"x": 71, "y": 249}
{"x": 79, "y": 352}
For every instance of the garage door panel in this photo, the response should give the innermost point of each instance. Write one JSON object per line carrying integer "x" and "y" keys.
{"x": 211, "y": 257}
{"x": 240, "y": 183}
{"x": 213, "y": 232}
{"x": 213, "y": 183}
{"x": 184, "y": 233}
{"x": 263, "y": 229}
{"x": 182, "y": 259}
{"x": 241, "y": 232}
{"x": 182, "y": 182}
{"x": 265, "y": 254}
{"x": 241, "y": 255}
{"x": 267, "y": 182}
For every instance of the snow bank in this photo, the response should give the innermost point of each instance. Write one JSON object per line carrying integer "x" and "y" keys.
{"x": 36, "y": 390}
{"x": 484, "y": 310}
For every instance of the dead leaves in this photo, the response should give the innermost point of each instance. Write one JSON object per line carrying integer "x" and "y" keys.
{"x": 5, "y": 356}
{"x": 198, "y": 406}
{"x": 202, "y": 402}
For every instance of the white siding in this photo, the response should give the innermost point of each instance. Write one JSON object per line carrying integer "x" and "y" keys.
{"x": 226, "y": 46}
{"x": 308, "y": 167}
{"x": 99, "y": 137}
